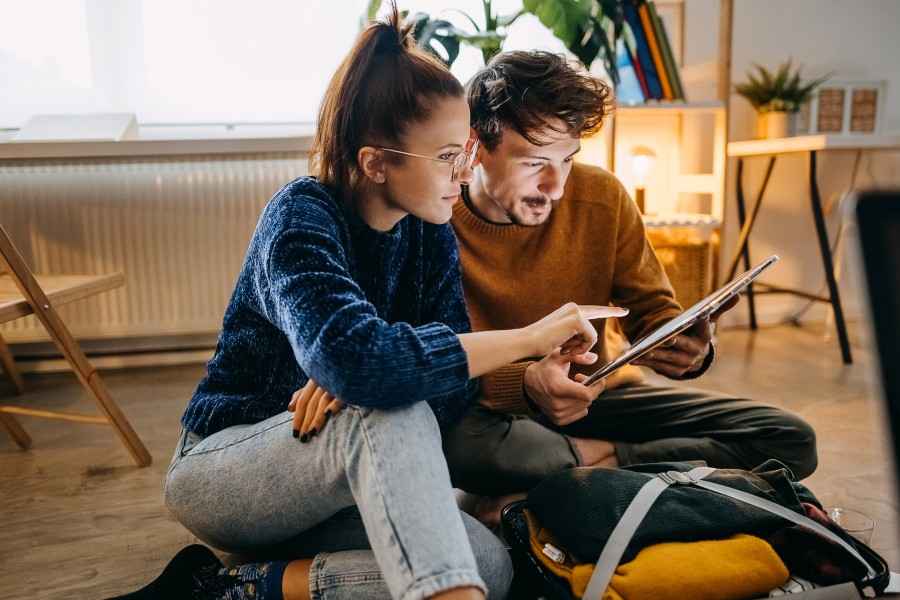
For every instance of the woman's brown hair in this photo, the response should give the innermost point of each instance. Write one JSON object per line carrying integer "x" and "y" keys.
{"x": 383, "y": 85}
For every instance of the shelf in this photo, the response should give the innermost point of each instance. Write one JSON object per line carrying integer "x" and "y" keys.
{"x": 669, "y": 107}
{"x": 700, "y": 221}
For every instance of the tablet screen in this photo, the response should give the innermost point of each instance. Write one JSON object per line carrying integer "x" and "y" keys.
{"x": 701, "y": 309}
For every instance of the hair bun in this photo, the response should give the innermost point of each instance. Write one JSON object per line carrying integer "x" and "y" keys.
{"x": 393, "y": 36}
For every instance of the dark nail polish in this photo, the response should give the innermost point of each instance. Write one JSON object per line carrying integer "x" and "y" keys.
{"x": 296, "y": 433}
{"x": 313, "y": 433}
{"x": 304, "y": 438}
{"x": 327, "y": 413}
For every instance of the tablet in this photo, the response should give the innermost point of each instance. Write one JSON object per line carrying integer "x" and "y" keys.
{"x": 702, "y": 309}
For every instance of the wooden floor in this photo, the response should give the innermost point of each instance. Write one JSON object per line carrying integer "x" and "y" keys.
{"x": 77, "y": 520}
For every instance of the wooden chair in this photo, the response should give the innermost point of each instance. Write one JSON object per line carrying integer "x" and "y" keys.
{"x": 21, "y": 294}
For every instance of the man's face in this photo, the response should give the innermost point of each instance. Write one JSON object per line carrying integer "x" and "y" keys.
{"x": 524, "y": 180}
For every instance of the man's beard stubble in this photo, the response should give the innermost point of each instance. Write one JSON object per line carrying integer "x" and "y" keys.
{"x": 532, "y": 202}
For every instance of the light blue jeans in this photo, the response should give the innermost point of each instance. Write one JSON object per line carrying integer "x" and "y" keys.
{"x": 369, "y": 498}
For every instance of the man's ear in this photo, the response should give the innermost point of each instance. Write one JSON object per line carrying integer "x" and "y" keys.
{"x": 477, "y": 160}
{"x": 371, "y": 163}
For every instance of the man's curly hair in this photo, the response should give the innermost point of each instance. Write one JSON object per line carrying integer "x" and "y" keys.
{"x": 528, "y": 91}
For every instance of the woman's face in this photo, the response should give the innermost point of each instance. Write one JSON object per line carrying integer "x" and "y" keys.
{"x": 424, "y": 187}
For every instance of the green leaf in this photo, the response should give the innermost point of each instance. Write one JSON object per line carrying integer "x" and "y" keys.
{"x": 783, "y": 90}
{"x": 437, "y": 36}
{"x": 565, "y": 18}
{"x": 793, "y": 85}
{"x": 507, "y": 20}
{"x": 466, "y": 15}
{"x": 781, "y": 77}
{"x": 766, "y": 77}
{"x": 806, "y": 91}
{"x": 372, "y": 10}
{"x": 480, "y": 39}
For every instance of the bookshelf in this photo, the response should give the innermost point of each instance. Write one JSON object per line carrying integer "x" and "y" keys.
{"x": 668, "y": 124}
{"x": 691, "y": 143}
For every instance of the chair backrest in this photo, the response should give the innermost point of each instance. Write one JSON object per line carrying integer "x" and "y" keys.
{"x": 12, "y": 262}
{"x": 21, "y": 275}
{"x": 6, "y": 246}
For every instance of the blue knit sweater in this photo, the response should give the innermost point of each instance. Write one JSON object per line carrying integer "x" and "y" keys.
{"x": 371, "y": 316}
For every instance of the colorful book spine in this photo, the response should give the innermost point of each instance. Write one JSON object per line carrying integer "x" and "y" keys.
{"x": 629, "y": 89}
{"x": 662, "y": 36}
{"x": 643, "y": 52}
{"x": 631, "y": 48}
{"x": 644, "y": 13}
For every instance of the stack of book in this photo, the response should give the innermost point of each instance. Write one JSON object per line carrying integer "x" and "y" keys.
{"x": 646, "y": 64}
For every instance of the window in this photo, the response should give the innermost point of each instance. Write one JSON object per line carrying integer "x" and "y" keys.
{"x": 195, "y": 61}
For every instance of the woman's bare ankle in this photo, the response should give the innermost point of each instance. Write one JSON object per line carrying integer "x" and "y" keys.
{"x": 596, "y": 453}
{"x": 295, "y": 583}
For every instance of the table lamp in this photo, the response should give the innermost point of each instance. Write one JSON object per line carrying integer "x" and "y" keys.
{"x": 642, "y": 160}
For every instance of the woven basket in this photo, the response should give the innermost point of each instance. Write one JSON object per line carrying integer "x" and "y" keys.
{"x": 687, "y": 259}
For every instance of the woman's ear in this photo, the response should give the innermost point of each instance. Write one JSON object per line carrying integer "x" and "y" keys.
{"x": 371, "y": 163}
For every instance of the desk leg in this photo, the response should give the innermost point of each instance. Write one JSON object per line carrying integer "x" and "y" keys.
{"x": 743, "y": 249}
{"x": 827, "y": 261}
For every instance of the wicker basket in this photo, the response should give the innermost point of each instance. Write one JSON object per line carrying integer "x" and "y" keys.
{"x": 687, "y": 259}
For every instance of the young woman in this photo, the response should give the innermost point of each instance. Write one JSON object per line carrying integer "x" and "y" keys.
{"x": 351, "y": 290}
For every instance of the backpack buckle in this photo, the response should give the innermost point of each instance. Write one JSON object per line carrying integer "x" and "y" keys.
{"x": 676, "y": 478}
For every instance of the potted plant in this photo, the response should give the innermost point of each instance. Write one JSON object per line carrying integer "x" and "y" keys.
{"x": 777, "y": 97}
{"x": 442, "y": 38}
{"x": 588, "y": 28}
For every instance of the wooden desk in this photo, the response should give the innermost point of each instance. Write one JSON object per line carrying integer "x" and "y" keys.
{"x": 811, "y": 145}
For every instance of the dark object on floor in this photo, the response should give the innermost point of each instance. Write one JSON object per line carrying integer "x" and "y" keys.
{"x": 878, "y": 219}
{"x": 176, "y": 580}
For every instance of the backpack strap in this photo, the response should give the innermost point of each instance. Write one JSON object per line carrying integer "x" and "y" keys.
{"x": 648, "y": 494}
{"x": 627, "y": 526}
{"x": 786, "y": 513}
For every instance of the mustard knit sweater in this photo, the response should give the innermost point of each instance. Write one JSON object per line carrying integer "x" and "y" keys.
{"x": 591, "y": 250}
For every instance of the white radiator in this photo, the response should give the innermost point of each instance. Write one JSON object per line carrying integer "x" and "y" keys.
{"x": 177, "y": 227}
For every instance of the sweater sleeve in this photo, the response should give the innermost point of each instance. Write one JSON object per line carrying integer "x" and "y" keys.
{"x": 504, "y": 389}
{"x": 639, "y": 282}
{"x": 443, "y": 302}
{"x": 335, "y": 333}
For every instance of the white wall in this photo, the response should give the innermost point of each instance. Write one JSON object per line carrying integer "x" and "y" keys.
{"x": 855, "y": 40}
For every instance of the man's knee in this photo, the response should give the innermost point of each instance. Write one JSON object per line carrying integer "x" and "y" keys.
{"x": 796, "y": 446}
{"x": 495, "y": 454}
{"x": 471, "y": 450}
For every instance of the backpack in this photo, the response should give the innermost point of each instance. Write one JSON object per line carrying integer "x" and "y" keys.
{"x": 604, "y": 515}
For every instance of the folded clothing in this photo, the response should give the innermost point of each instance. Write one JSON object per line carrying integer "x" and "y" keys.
{"x": 742, "y": 566}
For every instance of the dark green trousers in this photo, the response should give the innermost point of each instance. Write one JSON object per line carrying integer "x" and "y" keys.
{"x": 491, "y": 453}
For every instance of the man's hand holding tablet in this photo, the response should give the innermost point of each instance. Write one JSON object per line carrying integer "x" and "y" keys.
{"x": 673, "y": 349}
{"x": 686, "y": 352}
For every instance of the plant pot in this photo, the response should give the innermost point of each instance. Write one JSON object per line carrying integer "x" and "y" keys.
{"x": 775, "y": 124}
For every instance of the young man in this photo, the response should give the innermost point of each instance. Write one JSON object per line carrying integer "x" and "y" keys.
{"x": 536, "y": 230}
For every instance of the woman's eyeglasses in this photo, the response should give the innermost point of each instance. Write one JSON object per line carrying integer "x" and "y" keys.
{"x": 458, "y": 164}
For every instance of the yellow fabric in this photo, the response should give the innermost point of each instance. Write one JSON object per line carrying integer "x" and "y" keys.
{"x": 742, "y": 566}
{"x": 592, "y": 250}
